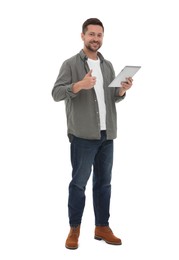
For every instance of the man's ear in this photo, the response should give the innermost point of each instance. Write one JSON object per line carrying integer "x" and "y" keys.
{"x": 82, "y": 36}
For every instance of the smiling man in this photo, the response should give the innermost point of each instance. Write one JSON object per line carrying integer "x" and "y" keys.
{"x": 83, "y": 83}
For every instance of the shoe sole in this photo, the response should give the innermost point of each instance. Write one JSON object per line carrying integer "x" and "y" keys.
{"x": 108, "y": 242}
{"x": 71, "y": 248}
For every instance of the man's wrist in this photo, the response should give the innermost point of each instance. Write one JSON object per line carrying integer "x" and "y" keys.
{"x": 121, "y": 92}
{"x": 76, "y": 87}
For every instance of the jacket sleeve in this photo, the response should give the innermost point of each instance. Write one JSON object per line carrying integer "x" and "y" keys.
{"x": 63, "y": 86}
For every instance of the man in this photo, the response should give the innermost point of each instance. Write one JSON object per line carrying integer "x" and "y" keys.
{"x": 83, "y": 83}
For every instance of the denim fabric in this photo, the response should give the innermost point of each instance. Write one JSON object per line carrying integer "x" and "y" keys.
{"x": 85, "y": 156}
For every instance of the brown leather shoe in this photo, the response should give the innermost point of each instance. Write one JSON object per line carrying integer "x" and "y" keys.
{"x": 72, "y": 239}
{"x": 106, "y": 234}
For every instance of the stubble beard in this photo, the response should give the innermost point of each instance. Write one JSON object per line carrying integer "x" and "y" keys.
{"x": 88, "y": 46}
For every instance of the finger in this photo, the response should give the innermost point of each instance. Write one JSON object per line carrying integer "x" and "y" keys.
{"x": 129, "y": 80}
{"x": 125, "y": 85}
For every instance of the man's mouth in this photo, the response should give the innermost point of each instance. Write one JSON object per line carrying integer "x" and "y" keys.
{"x": 95, "y": 43}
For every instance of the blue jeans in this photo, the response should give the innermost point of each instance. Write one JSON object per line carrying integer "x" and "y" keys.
{"x": 85, "y": 155}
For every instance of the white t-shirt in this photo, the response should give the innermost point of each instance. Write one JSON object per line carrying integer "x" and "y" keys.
{"x": 96, "y": 72}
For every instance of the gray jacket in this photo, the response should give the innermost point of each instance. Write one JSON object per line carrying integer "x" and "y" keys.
{"x": 82, "y": 108}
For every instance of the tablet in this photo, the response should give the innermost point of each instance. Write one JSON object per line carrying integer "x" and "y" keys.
{"x": 126, "y": 72}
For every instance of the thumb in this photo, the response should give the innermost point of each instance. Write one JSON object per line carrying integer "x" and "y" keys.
{"x": 89, "y": 73}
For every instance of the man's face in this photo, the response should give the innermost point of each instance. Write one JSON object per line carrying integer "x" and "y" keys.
{"x": 93, "y": 37}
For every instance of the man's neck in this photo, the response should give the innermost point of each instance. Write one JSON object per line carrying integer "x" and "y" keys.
{"x": 90, "y": 54}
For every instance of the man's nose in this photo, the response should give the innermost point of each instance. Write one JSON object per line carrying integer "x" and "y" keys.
{"x": 95, "y": 38}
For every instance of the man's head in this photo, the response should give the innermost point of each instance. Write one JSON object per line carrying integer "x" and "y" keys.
{"x": 92, "y": 34}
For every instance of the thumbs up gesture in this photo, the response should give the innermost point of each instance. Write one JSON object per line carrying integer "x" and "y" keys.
{"x": 87, "y": 82}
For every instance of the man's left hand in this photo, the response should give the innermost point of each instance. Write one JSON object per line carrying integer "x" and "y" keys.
{"x": 125, "y": 85}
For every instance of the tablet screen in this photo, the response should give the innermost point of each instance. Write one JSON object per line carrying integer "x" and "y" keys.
{"x": 126, "y": 72}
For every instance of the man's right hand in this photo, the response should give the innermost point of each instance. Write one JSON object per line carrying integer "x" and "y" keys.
{"x": 87, "y": 82}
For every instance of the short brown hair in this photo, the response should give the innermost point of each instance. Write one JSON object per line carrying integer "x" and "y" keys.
{"x": 93, "y": 21}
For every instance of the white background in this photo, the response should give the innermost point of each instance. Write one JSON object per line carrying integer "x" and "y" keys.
{"x": 36, "y": 37}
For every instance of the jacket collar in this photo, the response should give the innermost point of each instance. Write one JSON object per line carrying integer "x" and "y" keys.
{"x": 84, "y": 57}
